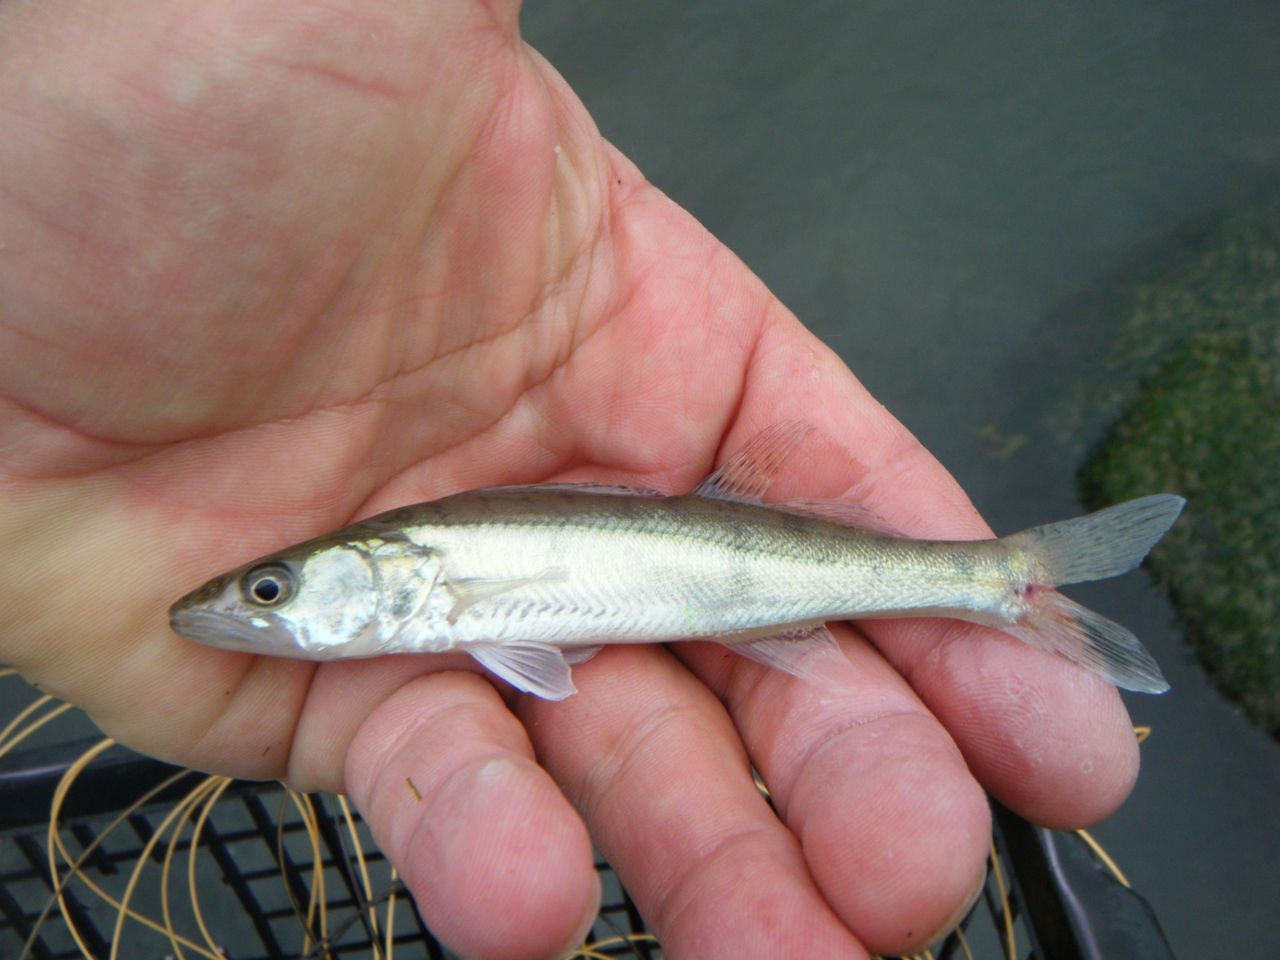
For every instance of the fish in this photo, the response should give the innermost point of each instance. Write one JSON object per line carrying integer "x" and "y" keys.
{"x": 530, "y": 580}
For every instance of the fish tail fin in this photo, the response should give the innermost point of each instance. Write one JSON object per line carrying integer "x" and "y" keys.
{"x": 1093, "y": 547}
{"x": 1099, "y": 545}
{"x": 1059, "y": 624}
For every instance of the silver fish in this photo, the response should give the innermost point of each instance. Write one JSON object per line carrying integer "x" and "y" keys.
{"x": 531, "y": 579}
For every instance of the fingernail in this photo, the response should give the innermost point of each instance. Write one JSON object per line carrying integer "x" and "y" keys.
{"x": 953, "y": 921}
{"x": 574, "y": 947}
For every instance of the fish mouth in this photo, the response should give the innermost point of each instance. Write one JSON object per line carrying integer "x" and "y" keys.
{"x": 261, "y": 635}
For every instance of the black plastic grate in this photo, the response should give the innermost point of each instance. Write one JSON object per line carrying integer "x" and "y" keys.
{"x": 257, "y": 866}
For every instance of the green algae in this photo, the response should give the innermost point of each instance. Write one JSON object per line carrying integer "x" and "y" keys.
{"x": 1201, "y": 341}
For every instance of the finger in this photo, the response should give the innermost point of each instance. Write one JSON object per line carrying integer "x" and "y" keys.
{"x": 657, "y": 770}
{"x": 498, "y": 862}
{"x": 343, "y": 694}
{"x": 1049, "y": 740}
{"x": 1052, "y": 742}
{"x": 892, "y": 824}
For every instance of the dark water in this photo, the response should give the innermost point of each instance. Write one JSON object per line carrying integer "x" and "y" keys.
{"x": 933, "y": 188}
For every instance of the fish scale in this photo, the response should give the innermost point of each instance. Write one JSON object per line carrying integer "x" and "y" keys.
{"x": 526, "y": 579}
{"x": 675, "y": 568}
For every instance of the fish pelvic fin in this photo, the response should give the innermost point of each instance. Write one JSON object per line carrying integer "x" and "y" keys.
{"x": 536, "y": 668}
{"x": 1099, "y": 545}
{"x": 1059, "y": 624}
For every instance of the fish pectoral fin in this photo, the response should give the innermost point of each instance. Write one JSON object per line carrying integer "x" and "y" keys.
{"x": 746, "y": 475}
{"x": 536, "y": 668}
{"x": 800, "y": 653}
{"x": 468, "y": 591}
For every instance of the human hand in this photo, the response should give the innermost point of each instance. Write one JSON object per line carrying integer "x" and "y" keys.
{"x": 265, "y": 269}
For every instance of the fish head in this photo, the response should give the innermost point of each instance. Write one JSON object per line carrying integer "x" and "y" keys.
{"x": 318, "y": 601}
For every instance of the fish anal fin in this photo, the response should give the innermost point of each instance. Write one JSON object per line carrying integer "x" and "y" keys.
{"x": 536, "y": 668}
{"x": 801, "y": 652}
{"x": 469, "y": 591}
{"x": 748, "y": 474}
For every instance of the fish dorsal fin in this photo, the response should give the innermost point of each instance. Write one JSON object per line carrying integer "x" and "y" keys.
{"x": 536, "y": 668}
{"x": 747, "y": 475}
{"x": 844, "y": 513}
{"x": 601, "y": 489}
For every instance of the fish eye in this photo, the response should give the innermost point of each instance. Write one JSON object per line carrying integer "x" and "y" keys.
{"x": 268, "y": 585}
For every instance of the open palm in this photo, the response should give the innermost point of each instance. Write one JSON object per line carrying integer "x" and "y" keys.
{"x": 265, "y": 269}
